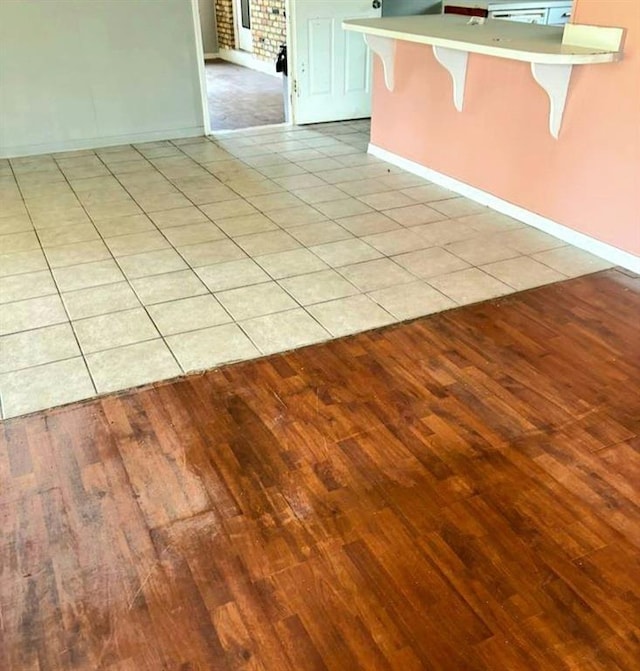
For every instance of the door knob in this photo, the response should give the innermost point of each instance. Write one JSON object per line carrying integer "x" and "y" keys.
{"x": 376, "y": 4}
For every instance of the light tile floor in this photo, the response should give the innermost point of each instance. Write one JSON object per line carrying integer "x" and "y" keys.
{"x": 127, "y": 265}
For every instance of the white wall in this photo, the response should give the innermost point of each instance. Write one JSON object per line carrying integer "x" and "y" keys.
{"x": 88, "y": 73}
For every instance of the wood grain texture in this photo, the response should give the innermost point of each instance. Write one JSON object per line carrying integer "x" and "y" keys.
{"x": 458, "y": 493}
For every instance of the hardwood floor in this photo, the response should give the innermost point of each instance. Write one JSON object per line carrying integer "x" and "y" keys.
{"x": 457, "y": 493}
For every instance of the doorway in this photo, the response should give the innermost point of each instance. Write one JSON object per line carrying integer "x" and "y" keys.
{"x": 241, "y": 88}
{"x": 240, "y": 97}
{"x": 329, "y": 69}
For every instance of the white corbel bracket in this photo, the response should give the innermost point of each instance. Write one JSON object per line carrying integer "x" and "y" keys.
{"x": 385, "y": 48}
{"x": 554, "y": 79}
{"x": 455, "y": 62}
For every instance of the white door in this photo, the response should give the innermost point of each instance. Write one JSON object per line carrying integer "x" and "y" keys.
{"x": 330, "y": 67}
{"x": 242, "y": 16}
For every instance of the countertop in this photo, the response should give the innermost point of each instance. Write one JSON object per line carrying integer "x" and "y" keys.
{"x": 503, "y": 39}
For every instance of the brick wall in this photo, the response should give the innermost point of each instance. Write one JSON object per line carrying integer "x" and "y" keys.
{"x": 224, "y": 22}
{"x": 268, "y": 29}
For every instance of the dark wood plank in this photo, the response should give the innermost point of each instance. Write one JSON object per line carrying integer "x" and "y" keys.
{"x": 460, "y": 492}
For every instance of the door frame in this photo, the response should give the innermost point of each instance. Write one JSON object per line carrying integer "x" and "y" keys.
{"x": 202, "y": 77}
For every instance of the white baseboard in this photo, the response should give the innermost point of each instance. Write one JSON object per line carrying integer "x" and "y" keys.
{"x": 97, "y": 142}
{"x": 569, "y": 235}
{"x": 248, "y": 61}
{"x": 211, "y": 56}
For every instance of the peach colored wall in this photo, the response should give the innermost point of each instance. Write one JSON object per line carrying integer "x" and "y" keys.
{"x": 588, "y": 180}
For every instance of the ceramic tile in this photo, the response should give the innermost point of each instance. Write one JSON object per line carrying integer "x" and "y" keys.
{"x": 31, "y": 313}
{"x": 159, "y": 203}
{"x": 276, "y": 201}
{"x": 346, "y": 207}
{"x": 255, "y": 301}
{"x": 232, "y": 274}
{"x": 207, "y": 253}
{"x": 247, "y": 224}
{"x": 457, "y": 207}
{"x": 26, "y": 285}
{"x": 368, "y": 224}
{"x": 350, "y": 315}
{"x": 323, "y": 193}
{"x": 231, "y": 208}
{"x": 402, "y": 180}
{"x": 397, "y": 241}
{"x": 261, "y": 187}
{"x": 15, "y": 224}
{"x": 298, "y": 181}
{"x": 32, "y": 389}
{"x": 427, "y": 193}
{"x": 58, "y": 218}
{"x": 290, "y": 263}
{"x": 178, "y": 217}
{"x": 571, "y": 261}
{"x": 284, "y": 331}
{"x": 469, "y": 286}
{"x": 481, "y": 250}
{"x": 320, "y": 164}
{"x": 132, "y": 366}
{"x": 99, "y": 300}
{"x": 77, "y": 253}
{"x": 376, "y": 274}
{"x": 114, "y": 330}
{"x": 188, "y": 314}
{"x": 208, "y": 348}
{"x": 345, "y": 252}
{"x": 443, "y": 232}
{"x": 491, "y": 222}
{"x": 18, "y": 242}
{"x": 414, "y": 215}
{"x": 387, "y": 200}
{"x": 528, "y": 240}
{"x": 87, "y": 275}
{"x": 36, "y": 347}
{"x": 137, "y": 243}
{"x": 430, "y": 262}
{"x": 318, "y": 234}
{"x": 317, "y": 287}
{"x": 168, "y": 287}
{"x": 298, "y": 220}
{"x": 362, "y": 187}
{"x": 193, "y": 234}
{"x": 151, "y": 263}
{"x": 523, "y": 273}
{"x": 67, "y": 235}
{"x": 118, "y": 208}
{"x": 408, "y": 301}
{"x": 270, "y": 242}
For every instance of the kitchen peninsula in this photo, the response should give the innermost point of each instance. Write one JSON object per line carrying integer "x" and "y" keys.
{"x": 552, "y": 51}
{"x": 556, "y": 150}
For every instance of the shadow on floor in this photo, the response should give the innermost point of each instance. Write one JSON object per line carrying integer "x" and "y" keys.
{"x": 242, "y": 98}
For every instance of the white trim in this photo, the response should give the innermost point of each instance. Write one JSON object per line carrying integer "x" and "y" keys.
{"x": 586, "y": 242}
{"x": 248, "y": 61}
{"x": 97, "y": 142}
{"x": 211, "y": 56}
{"x": 202, "y": 76}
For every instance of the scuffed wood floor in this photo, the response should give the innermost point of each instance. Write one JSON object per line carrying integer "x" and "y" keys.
{"x": 458, "y": 493}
